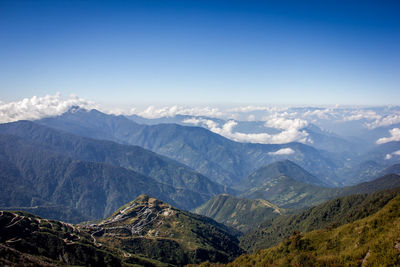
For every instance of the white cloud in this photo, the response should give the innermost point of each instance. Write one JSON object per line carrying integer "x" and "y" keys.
{"x": 362, "y": 114}
{"x": 257, "y": 108}
{"x": 395, "y": 136}
{"x": 280, "y": 121}
{"x": 227, "y": 130}
{"x": 152, "y": 112}
{"x": 40, "y": 107}
{"x": 282, "y": 151}
{"x": 192, "y": 121}
{"x": 324, "y": 114}
{"x": 385, "y": 121}
{"x": 251, "y": 117}
{"x": 121, "y": 111}
{"x": 396, "y": 153}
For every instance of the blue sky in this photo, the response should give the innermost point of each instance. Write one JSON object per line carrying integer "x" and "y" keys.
{"x": 121, "y": 53}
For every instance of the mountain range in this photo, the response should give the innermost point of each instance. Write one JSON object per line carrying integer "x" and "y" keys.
{"x": 85, "y": 167}
{"x": 222, "y": 160}
{"x": 44, "y": 167}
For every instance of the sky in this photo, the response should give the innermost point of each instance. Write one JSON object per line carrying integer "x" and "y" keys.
{"x": 200, "y": 52}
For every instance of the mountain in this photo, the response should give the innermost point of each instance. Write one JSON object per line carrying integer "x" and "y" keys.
{"x": 289, "y": 193}
{"x": 285, "y": 184}
{"x": 333, "y": 213}
{"x": 216, "y": 157}
{"x": 362, "y": 172}
{"x": 385, "y": 182}
{"x": 371, "y": 241}
{"x": 34, "y": 176}
{"x": 159, "y": 231}
{"x": 144, "y": 232}
{"x": 242, "y": 214}
{"x": 134, "y": 158}
{"x": 379, "y": 154}
{"x": 276, "y": 169}
{"x": 370, "y": 164}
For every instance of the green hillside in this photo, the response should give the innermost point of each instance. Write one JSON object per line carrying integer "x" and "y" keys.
{"x": 242, "y": 214}
{"x": 135, "y": 158}
{"x": 276, "y": 169}
{"x": 288, "y": 193}
{"x": 372, "y": 241}
{"x": 289, "y": 186}
{"x": 327, "y": 215}
{"x": 34, "y": 176}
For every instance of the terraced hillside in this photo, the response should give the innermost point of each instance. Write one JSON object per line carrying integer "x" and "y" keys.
{"x": 153, "y": 228}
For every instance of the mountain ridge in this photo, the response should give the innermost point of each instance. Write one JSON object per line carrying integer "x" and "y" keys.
{"x": 48, "y": 178}
{"x": 131, "y": 157}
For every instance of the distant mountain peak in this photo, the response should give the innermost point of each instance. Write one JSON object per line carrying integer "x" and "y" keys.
{"x": 278, "y": 169}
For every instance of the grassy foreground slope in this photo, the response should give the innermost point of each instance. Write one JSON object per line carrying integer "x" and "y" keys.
{"x": 372, "y": 241}
{"x": 331, "y": 214}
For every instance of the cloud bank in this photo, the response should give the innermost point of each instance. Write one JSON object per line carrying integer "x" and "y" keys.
{"x": 290, "y": 132}
{"x": 290, "y": 122}
{"x": 152, "y": 112}
{"x": 384, "y": 121}
{"x": 282, "y": 151}
{"x": 39, "y": 107}
{"x": 395, "y": 136}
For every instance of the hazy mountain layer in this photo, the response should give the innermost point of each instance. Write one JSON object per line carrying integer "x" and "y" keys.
{"x": 134, "y": 158}
{"x": 34, "y": 176}
{"x": 215, "y": 156}
{"x": 280, "y": 188}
